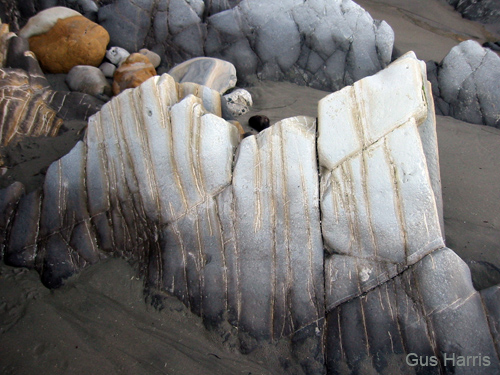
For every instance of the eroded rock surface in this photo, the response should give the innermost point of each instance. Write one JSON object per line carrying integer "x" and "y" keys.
{"x": 333, "y": 243}
{"x": 469, "y": 84}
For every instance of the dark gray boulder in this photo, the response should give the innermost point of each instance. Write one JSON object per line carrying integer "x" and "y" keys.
{"x": 486, "y": 11}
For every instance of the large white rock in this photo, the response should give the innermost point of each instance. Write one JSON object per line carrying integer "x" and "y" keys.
{"x": 379, "y": 211}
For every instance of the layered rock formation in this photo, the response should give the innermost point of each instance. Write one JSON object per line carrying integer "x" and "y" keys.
{"x": 332, "y": 243}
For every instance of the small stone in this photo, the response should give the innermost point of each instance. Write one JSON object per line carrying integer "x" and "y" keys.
{"x": 72, "y": 41}
{"x": 89, "y": 80}
{"x": 258, "y": 122}
{"x": 117, "y": 55}
{"x": 217, "y": 74}
{"x": 152, "y": 56}
{"x": 238, "y": 102}
{"x": 107, "y": 69}
{"x": 132, "y": 72}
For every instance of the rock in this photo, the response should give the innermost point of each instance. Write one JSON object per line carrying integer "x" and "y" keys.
{"x": 117, "y": 55}
{"x": 108, "y": 69}
{"x": 45, "y": 20}
{"x": 239, "y": 127}
{"x": 469, "y": 84}
{"x": 238, "y": 102}
{"x": 71, "y": 41}
{"x": 324, "y": 236}
{"x": 259, "y": 122}
{"x": 486, "y": 11}
{"x": 5, "y": 36}
{"x": 132, "y": 72}
{"x": 214, "y": 73}
{"x": 323, "y": 44}
{"x": 27, "y": 97}
{"x": 153, "y": 57}
{"x": 89, "y": 80}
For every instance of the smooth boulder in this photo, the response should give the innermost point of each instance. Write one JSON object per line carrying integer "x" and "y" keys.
{"x": 89, "y": 80}
{"x": 71, "y": 41}
{"x": 132, "y": 72}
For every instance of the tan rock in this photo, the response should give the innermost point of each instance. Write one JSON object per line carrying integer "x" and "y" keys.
{"x": 72, "y": 41}
{"x": 132, "y": 72}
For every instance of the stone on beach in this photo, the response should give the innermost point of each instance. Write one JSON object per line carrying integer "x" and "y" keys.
{"x": 71, "y": 41}
{"x": 132, "y": 72}
{"x": 89, "y": 80}
{"x": 214, "y": 73}
{"x": 238, "y": 102}
{"x": 117, "y": 55}
{"x": 153, "y": 57}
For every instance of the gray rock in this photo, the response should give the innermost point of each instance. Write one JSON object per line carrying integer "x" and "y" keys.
{"x": 89, "y": 80}
{"x": 469, "y": 83}
{"x": 324, "y": 44}
{"x": 107, "y": 69}
{"x": 153, "y": 57}
{"x": 217, "y": 74}
{"x": 117, "y": 55}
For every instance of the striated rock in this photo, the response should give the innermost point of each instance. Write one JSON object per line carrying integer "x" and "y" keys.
{"x": 71, "y": 41}
{"x": 153, "y": 57}
{"x": 214, "y": 73}
{"x": 469, "y": 84}
{"x": 45, "y": 20}
{"x": 238, "y": 102}
{"x": 89, "y": 80}
{"x": 327, "y": 236}
{"x": 24, "y": 108}
{"x": 375, "y": 181}
{"x": 29, "y": 105}
{"x": 117, "y": 55}
{"x": 132, "y": 72}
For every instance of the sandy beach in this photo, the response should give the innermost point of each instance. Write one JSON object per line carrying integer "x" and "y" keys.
{"x": 99, "y": 322}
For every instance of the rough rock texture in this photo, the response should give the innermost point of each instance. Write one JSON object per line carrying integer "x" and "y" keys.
{"x": 132, "y": 72}
{"x": 326, "y": 44}
{"x": 30, "y": 107}
{"x": 238, "y": 102}
{"x": 71, "y": 41}
{"x": 89, "y": 80}
{"x": 486, "y": 11}
{"x": 344, "y": 259}
{"x": 469, "y": 84}
{"x": 217, "y": 74}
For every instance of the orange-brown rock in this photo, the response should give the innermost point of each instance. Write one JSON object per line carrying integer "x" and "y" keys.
{"x": 132, "y": 72}
{"x": 72, "y": 41}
